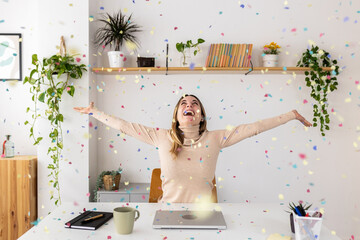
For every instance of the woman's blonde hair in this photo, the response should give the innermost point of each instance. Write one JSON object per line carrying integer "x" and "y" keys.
{"x": 176, "y": 134}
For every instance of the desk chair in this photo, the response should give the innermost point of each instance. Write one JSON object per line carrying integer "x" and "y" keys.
{"x": 156, "y": 190}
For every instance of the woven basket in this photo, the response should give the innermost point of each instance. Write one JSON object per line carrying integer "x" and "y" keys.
{"x": 108, "y": 182}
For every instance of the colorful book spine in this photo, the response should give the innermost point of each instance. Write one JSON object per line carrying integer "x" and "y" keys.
{"x": 209, "y": 56}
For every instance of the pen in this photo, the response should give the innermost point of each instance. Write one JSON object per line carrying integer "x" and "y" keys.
{"x": 92, "y": 218}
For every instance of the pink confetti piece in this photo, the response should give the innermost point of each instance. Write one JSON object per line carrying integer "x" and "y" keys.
{"x": 305, "y": 101}
{"x": 293, "y": 30}
{"x": 308, "y": 190}
{"x": 322, "y": 34}
{"x": 302, "y": 155}
{"x": 88, "y": 194}
{"x": 78, "y": 59}
{"x": 122, "y": 106}
{"x": 76, "y": 204}
{"x": 340, "y": 125}
{"x": 357, "y": 82}
{"x": 175, "y": 28}
{"x": 222, "y": 34}
{"x": 90, "y": 124}
{"x": 111, "y": 146}
{"x": 108, "y": 237}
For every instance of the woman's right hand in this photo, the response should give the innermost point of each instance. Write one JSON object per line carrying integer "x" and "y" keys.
{"x": 86, "y": 110}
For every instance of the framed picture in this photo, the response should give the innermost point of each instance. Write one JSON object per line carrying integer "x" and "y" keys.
{"x": 10, "y": 56}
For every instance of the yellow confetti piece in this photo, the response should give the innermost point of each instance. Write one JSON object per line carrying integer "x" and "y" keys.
{"x": 125, "y": 10}
{"x": 266, "y": 83}
{"x": 109, "y": 70}
{"x": 333, "y": 232}
{"x": 344, "y": 176}
{"x": 70, "y": 4}
{"x": 305, "y": 162}
{"x": 91, "y": 19}
{"x": 20, "y": 39}
{"x": 310, "y": 172}
{"x": 355, "y": 144}
{"x": 348, "y": 100}
{"x": 42, "y": 206}
{"x": 115, "y": 151}
{"x": 281, "y": 197}
{"x": 122, "y": 135}
{"x": 107, "y": 128}
{"x": 148, "y": 189}
{"x": 87, "y": 136}
{"x": 204, "y": 69}
{"x": 220, "y": 179}
{"x": 46, "y": 229}
{"x": 274, "y": 138}
{"x": 263, "y": 230}
{"x": 126, "y": 183}
{"x": 230, "y": 127}
{"x": 148, "y": 70}
{"x": 322, "y": 210}
{"x": 190, "y": 177}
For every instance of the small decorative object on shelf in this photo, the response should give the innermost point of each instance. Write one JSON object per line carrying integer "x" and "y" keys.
{"x": 146, "y": 62}
{"x": 8, "y": 148}
{"x": 185, "y": 49}
{"x": 116, "y": 31}
{"x": 321, "y": 80}
{"x": 271, "y": 55}
{"x": 109, "y": 180}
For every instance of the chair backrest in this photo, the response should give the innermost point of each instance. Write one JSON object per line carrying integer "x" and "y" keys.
{"x": 156, "y": 189}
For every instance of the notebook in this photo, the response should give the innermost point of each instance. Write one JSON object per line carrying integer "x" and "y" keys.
{"x": 79, "y": 223}
{"x": 189, "y": 220}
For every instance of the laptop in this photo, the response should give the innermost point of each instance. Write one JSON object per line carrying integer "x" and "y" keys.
{"x": 167, "y": 219}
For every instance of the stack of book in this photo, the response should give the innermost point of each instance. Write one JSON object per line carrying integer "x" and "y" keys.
{"x": 229, "y": 55}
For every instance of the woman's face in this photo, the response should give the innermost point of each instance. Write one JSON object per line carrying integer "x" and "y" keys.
{"x": 189, "y": 111}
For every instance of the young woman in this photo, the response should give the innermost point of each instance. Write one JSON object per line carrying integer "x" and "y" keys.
{"x": 188, "y": 151}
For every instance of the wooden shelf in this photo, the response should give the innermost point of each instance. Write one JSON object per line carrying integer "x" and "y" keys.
{"x": 201, "y": 70}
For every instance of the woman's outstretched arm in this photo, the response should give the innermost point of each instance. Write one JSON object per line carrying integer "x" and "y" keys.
{"x": 146, "y": 134}
{"x": 235, "y": 135}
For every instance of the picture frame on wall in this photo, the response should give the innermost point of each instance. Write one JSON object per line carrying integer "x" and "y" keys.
{"x": 10, "y": 56}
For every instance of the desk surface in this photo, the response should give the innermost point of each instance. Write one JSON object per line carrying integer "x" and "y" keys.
{"x": 244, "y": 221}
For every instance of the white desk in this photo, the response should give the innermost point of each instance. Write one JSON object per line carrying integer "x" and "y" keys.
{"x": 244, "y": 221}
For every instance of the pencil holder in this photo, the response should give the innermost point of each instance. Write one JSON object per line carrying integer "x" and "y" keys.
{"x": 307, "y": 228}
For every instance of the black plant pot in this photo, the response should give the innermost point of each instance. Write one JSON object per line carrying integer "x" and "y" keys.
{"x": 292, "y": 223}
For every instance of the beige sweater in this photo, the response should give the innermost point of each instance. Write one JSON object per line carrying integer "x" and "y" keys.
{"x": 188, "y": 178}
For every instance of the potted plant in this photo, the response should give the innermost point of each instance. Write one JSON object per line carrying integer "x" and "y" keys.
{"x": 49, "y": 79}
{"x": 271, "y": 55}
{"x": 185, "y": 50}
{"x": 320, "y": 81}
{"x": 117, "y": 30}
{"x": 294, "y": 209}
{"x": 109, "y": 180}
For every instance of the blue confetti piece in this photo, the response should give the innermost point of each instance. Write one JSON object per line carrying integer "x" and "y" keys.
{"x": 2, "y": 20}
{"x": 35, "y": 223}
{"x": 192, "y": 65}
{"x": 305, "y": 29}
{"x": 315, "y": 148}
{"x": 101, "y": 8}
{"x": 294, "y": 166}
{"x": 221, "y": 117}
{"x": 198, "y": 87}
{"x": 346, "y": 19}
{"x": 286, "y": 8}
{"x": 242, "y": 5}
{"x": 67, "y": 131}
{"x": 285, "y": 68}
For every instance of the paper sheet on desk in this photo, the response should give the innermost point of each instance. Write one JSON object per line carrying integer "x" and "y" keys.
{"x": 277, "y": 236}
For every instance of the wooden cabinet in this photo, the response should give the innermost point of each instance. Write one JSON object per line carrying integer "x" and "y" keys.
{"x": 18, "y": 195}
{"x": 133, "y": 192}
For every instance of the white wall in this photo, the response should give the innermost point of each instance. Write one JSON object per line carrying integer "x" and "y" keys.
{"x": 42, "y": 23}
{"x": 248, "y": 173}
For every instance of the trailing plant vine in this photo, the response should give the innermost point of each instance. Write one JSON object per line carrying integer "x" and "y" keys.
{"x": 321, "y": 82}
{"x": 47, "y": 87}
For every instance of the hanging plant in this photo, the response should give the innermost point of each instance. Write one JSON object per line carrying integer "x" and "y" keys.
{"x": 321, "y": 82}
{"x": 47, "y": 87}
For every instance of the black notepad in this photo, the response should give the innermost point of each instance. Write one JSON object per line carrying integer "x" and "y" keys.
{"x": 78, "y": 223}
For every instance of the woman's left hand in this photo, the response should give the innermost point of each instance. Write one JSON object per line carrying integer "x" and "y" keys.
{"x": 302, "y": 119}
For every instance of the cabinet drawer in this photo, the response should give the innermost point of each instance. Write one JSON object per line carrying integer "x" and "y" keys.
{"x": 110, "y": 197}
{"x": 139, "y": 197}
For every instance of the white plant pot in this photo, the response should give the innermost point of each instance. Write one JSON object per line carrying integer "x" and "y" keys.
{"x": 116, "y": 59}
{"x": 270, "y": 60}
